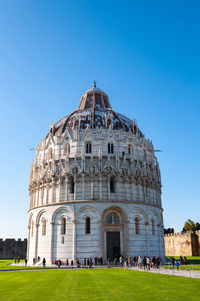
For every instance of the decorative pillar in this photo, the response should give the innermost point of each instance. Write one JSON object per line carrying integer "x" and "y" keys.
{"x": 118, "y": 188}
{"x": 59, "y": 187}
{"x": 47, "y": 193}
{"x": 101, "y": 238}
{"x": 36, "y": 240}
{"x": 74, "y": 240}
{"x": 147, "y": 238}
{"x": 75, "y": 187}
{"x": 83, "y": 187}
{"x": 92, "y": 188}
{"x": 66, "y": 189}
{"x": 28, "y": 243}
{"x": 108, "y": 184}
{"x": 51, "y": 242}
{"x": 158, "y": 233}
{"x": 100, "y": 187}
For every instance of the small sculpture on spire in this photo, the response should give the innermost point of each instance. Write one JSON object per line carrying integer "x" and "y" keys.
{"x": 94, "y": 84}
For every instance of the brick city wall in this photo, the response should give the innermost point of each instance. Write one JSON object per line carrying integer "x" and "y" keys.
{"x": 185, "y": 244}
{"x": 9, "y": 248}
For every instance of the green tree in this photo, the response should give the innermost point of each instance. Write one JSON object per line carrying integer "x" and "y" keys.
{"x": 189, "y": 226}
{"x": 197, "y": 226}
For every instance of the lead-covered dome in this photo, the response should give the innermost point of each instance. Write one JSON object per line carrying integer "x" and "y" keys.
{"x": 95, "y": 111}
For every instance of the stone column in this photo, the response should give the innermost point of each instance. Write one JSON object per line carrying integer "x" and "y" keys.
{"x": 101, "y": 238}
{"x": 92, "y": 188}
{"x": 108, "y": 185}
{"x": 118, "y": 188}
{"x": 28, "y": 243}
{"x": 158, "y": 233}
{"x": 51, "y": 242}
{"x": 59, "y": 187}
{"x": 75, "y": 187}
{"x": 74, "y": 240}
{"x": 100, "y": 187}
{"x": 83, "y": 187}
{"x": 144, "y": 191}
{"x": 66, "y": 189}
{"x": 147, "y": 237}
{"x": 36, "y": 241}
{"x": 47, "y": 193}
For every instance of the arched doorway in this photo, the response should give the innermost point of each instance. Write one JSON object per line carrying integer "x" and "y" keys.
{"x": 114, "y": 233}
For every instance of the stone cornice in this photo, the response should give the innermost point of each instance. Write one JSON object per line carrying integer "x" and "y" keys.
{"x": 95, "y": 202}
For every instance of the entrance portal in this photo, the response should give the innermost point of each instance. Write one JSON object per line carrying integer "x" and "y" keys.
{"x": 113, "y": 245}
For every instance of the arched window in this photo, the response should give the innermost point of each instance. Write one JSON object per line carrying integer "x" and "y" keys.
{"x": 63, "y": 225}
{"x": 153, "y": 227}
{"x": 137, "y": 225}
{"x": 62, "y": 240}
{"x": 67, "y": 148}
{"x": 87, "y": 225}
{"x": 112, "y": 185}
{"x": 129, "y": 149}
{"x": 44, "y": 223}
{"x": 110, "y": 148}
{"x": 50, "y": 153}
{"x": 112, "y": 218}
{"x": 71, "y": 185}
{"x": 108, "y": 123}
{"x": 135, "y": 129}
{"x": 88, "y": 148}
{"x": 76, "y": 124}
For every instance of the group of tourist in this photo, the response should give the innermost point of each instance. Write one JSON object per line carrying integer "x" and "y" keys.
{"x": 145, "y": 263}
{"x": 182, "y": 260}
{"x": 17, "y": 259}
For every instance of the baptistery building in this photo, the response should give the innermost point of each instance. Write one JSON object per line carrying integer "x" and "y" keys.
{"x": 95, "y": 187}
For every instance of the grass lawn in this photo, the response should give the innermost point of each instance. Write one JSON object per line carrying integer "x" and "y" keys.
{"x": 190, "y": 259}
{"x": 96, "y": 284}
{"x": 195, "y": 267}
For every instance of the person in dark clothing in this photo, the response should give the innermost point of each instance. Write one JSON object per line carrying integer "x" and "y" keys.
{"x": 185, "y": 260}
{"x": 172, "y": 261}
{"x": 44, "y": 263}
{"x": 115, "y": 261}
{"x": 84, "y": 263}
{"x": 101, "y": 260}
{"x": 108, "y": 262}
{"x": 25, "y": 261}
{"x": 144, "y": 262}
{"x": 88, "y": 262}
{"x": 59, "y": 263}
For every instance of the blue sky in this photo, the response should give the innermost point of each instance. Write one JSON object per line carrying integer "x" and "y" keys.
{"x": 143, "y": 54}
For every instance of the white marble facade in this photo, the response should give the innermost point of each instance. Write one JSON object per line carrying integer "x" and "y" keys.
{"x": 95, "y": 187}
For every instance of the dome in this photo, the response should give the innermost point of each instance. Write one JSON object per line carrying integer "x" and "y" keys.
{"x": 95, "y": 111}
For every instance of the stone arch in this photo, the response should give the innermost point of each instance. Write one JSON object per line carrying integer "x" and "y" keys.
{"x": 40, "y": 214}
{"x": 155, "y": 215}
{"x": 85, "y": 208}
{"x": 141, "y": 211}
{"x": 115, "y": 209}
{"x": 67, "y": 209}
{"x": 30, "y": 220}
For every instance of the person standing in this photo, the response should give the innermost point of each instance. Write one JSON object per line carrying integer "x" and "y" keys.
{"x": 177, "y": 264}
{"x": 148, "y": 263}
{"x": 25, "y": 261}
{"x": 67, "y": 263}
{"x": 44, "y": 263}
{"x": 115, "y": 261}
{"x": 109, "y": 262}
{"x": 59, "y": 263}
{"x": 84, "y": 263}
